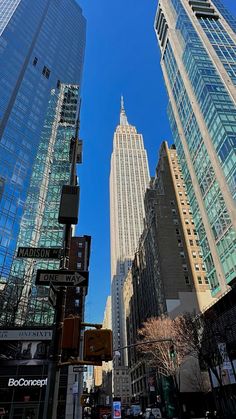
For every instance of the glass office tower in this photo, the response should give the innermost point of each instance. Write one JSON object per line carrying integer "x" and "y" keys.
{"x": 41, "y": 46}
{"x": 197, "y": 39}
{"x": 39, "y": 225}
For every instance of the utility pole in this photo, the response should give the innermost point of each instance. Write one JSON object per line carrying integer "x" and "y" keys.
{"x": 80, "y": 374}
{"x": 51, "y": 398}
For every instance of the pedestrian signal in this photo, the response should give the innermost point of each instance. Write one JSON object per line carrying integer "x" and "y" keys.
{"x": 71, "y": 333}
{"x": 98, "y": 345}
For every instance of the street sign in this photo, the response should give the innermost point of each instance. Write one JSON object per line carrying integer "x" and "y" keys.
{"x": 39, "y": 252}
{"x": 62, "y": 278}
{"x": 80, "y": 368}
{"x": 52, "y": 296}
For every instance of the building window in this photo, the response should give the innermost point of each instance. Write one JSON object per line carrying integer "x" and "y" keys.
{"x": 199, "y": 280}
{"x": 194, "y": 254}
{"x": 79, "y": 254}
{"x": 191, "y": 242}
{"x": 35, "y": 61}
{"x": 184, "y": 267}
{"x": 189, "y": 231}
{"x": 187, "y": 280}
{"x": 79, "y": 265}
{"x": 80, "y": 244}
{"x": 46, "y": 72}
{"x": 206, "y": 280}
{"x": 197, "y": 268}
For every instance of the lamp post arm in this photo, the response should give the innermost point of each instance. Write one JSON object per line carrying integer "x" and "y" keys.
{"x": 146, "y": 342}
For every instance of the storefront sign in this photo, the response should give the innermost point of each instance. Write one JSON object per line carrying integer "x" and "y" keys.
{"x": 23, "y": 382}
{"x": 26, "y": 334}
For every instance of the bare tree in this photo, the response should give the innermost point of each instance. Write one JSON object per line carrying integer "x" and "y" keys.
{"x": 182, "y": 341}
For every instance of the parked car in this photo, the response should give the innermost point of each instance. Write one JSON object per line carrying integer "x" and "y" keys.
{"x": 136, "y": 410}
{"x": 147, "y": 413}
{"x": 151, "y": 413}
{"x": 156, "y": 412}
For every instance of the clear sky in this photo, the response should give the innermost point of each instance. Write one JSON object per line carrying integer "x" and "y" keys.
{"x": 122, "y": 57}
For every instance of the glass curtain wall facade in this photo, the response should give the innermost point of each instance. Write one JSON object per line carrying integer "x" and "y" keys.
{"x": 39, "y": 225}
{"x": 41, "y": 46}
{"x": 198, "y": 47}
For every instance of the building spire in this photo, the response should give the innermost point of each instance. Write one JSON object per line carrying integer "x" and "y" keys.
{"x": 123, "y": 117}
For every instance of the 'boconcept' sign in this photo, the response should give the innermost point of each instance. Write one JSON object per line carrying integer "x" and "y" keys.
{"x": 22, "y": 382}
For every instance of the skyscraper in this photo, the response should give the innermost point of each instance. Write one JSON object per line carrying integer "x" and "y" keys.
{"x": 167, "y": 276}
{"x": 129, "y": 177}
{"x": 41, "y": 46}
{"x": 39, "y": 225}
{"x": 197, "y": 41}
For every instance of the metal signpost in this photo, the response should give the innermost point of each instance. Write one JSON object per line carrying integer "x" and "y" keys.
{"x": 62, "y": 280}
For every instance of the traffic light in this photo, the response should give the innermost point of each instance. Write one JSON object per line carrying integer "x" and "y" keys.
{"x": 98, "y": 345}
{"x": 71, "y": 333}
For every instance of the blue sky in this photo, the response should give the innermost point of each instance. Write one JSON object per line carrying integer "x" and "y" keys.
{"x": 122, "y": 57}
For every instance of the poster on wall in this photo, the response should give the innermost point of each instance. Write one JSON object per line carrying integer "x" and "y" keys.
{"x": 24, "y": 352}
{"x": 223, "y": 374}
{"x": 117, "y": 410}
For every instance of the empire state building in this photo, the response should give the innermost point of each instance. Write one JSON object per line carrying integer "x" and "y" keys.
{"x": 129, "y": 178}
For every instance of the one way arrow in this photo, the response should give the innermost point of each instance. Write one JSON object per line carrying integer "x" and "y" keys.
{"x": 62, "y": 278}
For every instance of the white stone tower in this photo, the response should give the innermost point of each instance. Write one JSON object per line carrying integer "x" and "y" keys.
{"x": 129, "y": 178}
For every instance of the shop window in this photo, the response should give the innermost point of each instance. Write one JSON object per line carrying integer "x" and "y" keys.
{"x": 187, "y": 280}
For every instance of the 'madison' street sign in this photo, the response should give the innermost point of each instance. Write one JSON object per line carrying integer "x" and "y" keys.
{"x": 39, "y": 252}
{"x": 62, "y": 278}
